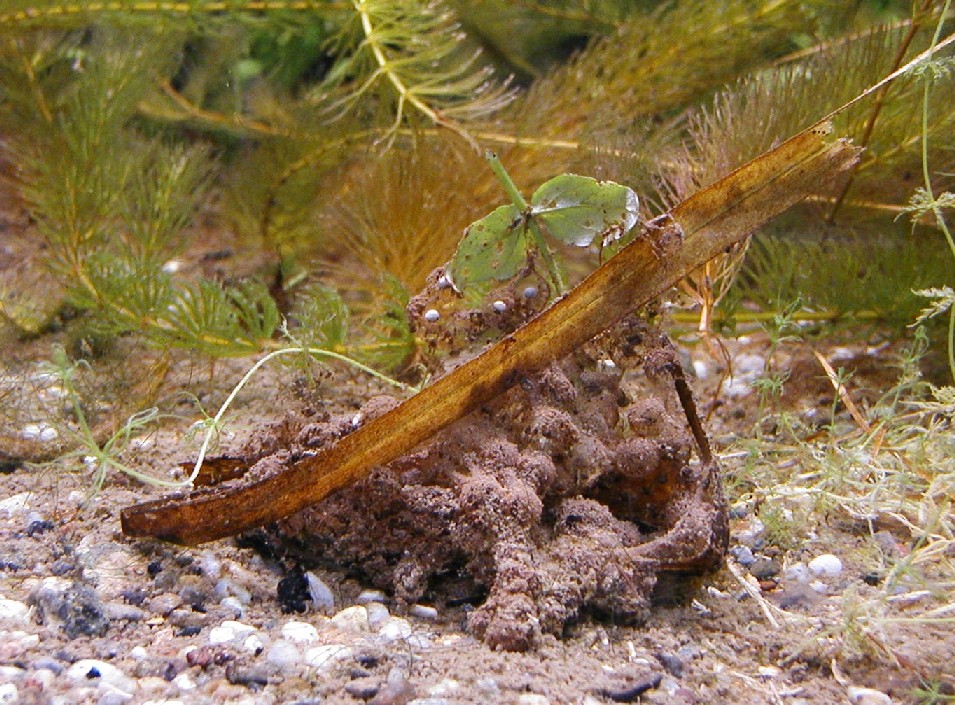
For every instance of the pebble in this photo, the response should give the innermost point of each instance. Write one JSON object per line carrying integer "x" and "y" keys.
{"x": 532, "y": 699}
{"x": 825, "y": 566}
{"x": 423, "y": 612}
{"x": 229, "y": 589}
{"x": 124, "y": 613}
{"x": 763, "y": 568}
{"x": 798, "y": 572}
{"x": 743, "y": 555}
{"x": 104, "y": 674}
{"x": 164, "y": 603}
{"x": 366, "y": 597}
{"x": 363, "y": 688}
{"x": 233, "y": 605}
{"x": 299, "y": 632}
{"x": 377, "y": 614}
{"x": 184, "y": 682}
{"x": 8, "y": 693}
{"x": 75, "y": 607}
{"x": 752, "y": 536}
{"x": 43, "y": 677}
{"x": 327, "y": 655}
{"x": 211, "y": 565}
{"x": 867, "y": 696}
{"x": 228, "y": 631}
{"x": 13, "y": 611}
{"x": 254, "y": 644}
{"x": 15, "y": 504}
{"x": 283, "y": 654}
{"x": 42, "y": 432}
{"x": 322, "y": 598}
{"x": 352, "y": 618}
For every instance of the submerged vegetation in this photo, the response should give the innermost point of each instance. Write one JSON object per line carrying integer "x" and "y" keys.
{"x": 202, "y": 180}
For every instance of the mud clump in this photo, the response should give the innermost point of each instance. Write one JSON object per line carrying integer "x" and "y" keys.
{"x": 570, "y": 493}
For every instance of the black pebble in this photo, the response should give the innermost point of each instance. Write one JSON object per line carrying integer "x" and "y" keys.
{"x": 154, "y": 569}
{"x": 40, "y": 526}
{"x": 188, "y": 631}
{"x": 251, "y": 678}
{"x": 629, "y": 694}
{"x": 134, "y": 596}
{"x": 293, "y": 592}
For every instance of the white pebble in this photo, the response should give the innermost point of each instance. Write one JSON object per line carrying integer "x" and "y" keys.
{"x": 499, "y": 306}
{"x": 253, "y": 644}
{"x": 867, "y": 696}
{"x": 395, "y": 628}
{"x": 233, "y": 604}
{"x": 377, "y": 614}
{"x": 322, "y": 598}
{"x": 8, "y": 693}
{"x": 139, "y": 653}
{"x": 42, "y": 432}
{"x": 44, "y": 677}
{"x": 700, "y": 369}
{"x": 423, "y": 612}
{"x": 431, "y": 315}
{"x": 84, "y": 671}
{"x": 532, "y": 699}
{"x": 606, "y": 364}
{"x": 299, "y": 632}
{"x": 228, "y": 631}
{"x": 366, "y": 596}
{"x": 825, "y": 566}
{"x": 798, "y": 572}
{"x": 352, "y": 618}
{"x": 327, "y": 655}
{"x": 400, "y": 629}
{"x": 444, "y": 282}
{"x": 211, "y": 565}
{"x": 13, "y": 611}
{"x": 15, "y": 504}
{"x": 283, "y": 654}
{"x": 184, "y": 682}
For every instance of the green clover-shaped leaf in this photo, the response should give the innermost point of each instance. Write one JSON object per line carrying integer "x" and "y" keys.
{"x": 492, "y": 248}
{"x": 582, "y": 211}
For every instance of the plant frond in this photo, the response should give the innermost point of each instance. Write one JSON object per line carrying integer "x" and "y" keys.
{"x": 412, "y": 222}
{"x": 408, "y": 53}
{"x": 219, "y": 321}
{"x": 321, "y": 318}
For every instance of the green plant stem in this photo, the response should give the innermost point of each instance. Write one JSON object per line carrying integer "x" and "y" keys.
{"x": 926, "y": 176}
{"x": 517, "y": 198}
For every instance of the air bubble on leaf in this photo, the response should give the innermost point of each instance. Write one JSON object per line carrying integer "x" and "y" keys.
{"x": 530, "y": 292}
{"x": 431, "y": 315}
{"x": 499, "y": 306}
